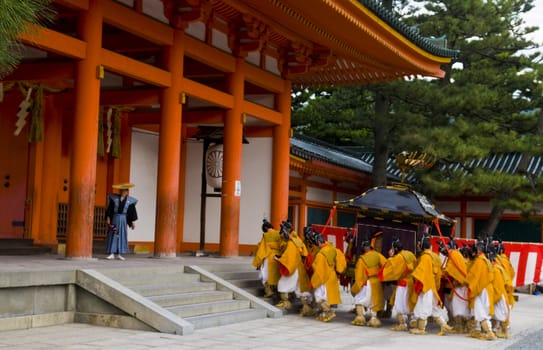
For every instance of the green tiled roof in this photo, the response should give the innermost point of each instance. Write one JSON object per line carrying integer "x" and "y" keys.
{"x": 427, "y": 44}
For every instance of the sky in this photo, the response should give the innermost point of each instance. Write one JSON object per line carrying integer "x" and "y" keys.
{"x": 535, "y": 18}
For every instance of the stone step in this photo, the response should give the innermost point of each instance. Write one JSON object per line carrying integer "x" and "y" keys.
{"x": 247, "y": 283}
{"x": 237, "y": 275}
{"x": 215, "y": 268}
{"x": 199, "y": 297}
{"x": 157, "y": 279}
{"x": 209, "y": 308}
{"x": 127, "y": 273}
{"x": 225, "y": 318}
{"x": 176, "y": 288}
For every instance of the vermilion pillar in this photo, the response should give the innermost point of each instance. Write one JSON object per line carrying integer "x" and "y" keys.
{"x": 47, "y": 222}
{"x": 231, "y": 176}
{"x": 281, "y": 159}
{"x": 169, "y": 152}
{"x": 84, "y": 137}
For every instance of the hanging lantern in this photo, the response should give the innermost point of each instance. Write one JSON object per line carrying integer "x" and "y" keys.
{"x": 214, "y": 156}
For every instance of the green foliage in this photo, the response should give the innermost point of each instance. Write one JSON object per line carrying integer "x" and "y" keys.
{"x": 15, "y": 15}
{"x": 488, "y": 103}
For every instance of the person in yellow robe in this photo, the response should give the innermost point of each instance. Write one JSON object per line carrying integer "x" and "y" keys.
{"x": 328, "y": 262}
{"x": 307, "y": 297}
{"x": 268, "y": 247}
{"x": 505, "y": 263}
{"x": 456, "y": 271}
{"x": 398, "y": 267}
{"x": 480, "y": 290}
{"x": 502, "y": 308}
{"x": 367, "y": 289}
{"x": 293, "y": 276}
{"x": 427, "y": 276}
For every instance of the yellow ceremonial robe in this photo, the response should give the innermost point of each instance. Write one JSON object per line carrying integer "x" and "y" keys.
{"x": 303, "y": 277}
{"x": 504, "y": 261}
{"x": 399, "y": 268}
{"x": 268, "y": 247}
{"x": 428, "y": 273}
{"x": 324, "y": 272}
{"x": 456, "y": 266}
{"x": 480, "y": 277}
{"x": 367, "y": 269}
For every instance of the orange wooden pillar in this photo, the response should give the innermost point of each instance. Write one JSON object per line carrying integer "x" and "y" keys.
{"x": 231, "y": 176}
{"x": 85, "y": 136}
{"x": 182, "y": 179}
{"x": 281, "y": 158}
{"x": 47, "y": 233}
{"x": 302, "y": 208}
{"x": 169, "y": 152}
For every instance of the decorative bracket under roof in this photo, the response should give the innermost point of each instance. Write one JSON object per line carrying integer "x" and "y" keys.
{"x": 249, "y": 34}
{"x": 181, "y": 12}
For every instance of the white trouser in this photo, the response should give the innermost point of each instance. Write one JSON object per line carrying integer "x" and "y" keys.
{"x": 288, "y": 284}
{"x": 501, "y": 310}
{"x": 401, "y": 305}
{"x": 363, "y": 297}
{"x": 320, "y": 293}
{"x": 481, "y": 307}
{"x": 427, "y": 306}
{"x": 459, "y": 303}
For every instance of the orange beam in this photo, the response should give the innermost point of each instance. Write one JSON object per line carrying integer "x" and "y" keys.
{"x": 76, "y": 4}
{"x": 135, "y": 69}
{"x": 136, "y": 23}
{"x": 262, "y": 113}
{"x": 144, "y": 118}
{"x": 209, "y": 55}
{"x": 264, "y": 79}
{"x": 206, "y": 93}
{"x": 136, "y": 97}
{"x": 194, "y": 117}
{"x": 42, "y": 71}
{"x": 203, "y": 117}
{"x": 52, "y": 41}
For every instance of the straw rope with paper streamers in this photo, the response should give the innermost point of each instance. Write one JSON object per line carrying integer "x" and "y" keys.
{"x": 34, "y": 106}
{"x": 24, "y": 109}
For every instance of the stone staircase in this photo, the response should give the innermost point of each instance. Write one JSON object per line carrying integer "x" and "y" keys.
{"x": 241, "y": 275}
{"x": 197, "y": 295}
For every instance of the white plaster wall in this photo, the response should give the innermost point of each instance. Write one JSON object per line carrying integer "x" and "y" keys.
{"x": 295, "y": 174}
{"x": 256, "y": 182}
{"x": 255, "y": 201}
{"x": 319, "y": 195}
{"x": 143, "y": 173}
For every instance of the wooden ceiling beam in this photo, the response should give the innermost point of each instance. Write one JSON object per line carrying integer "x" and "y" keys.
{"x": 53, "y": 41}
{"x": 38, "y": 71}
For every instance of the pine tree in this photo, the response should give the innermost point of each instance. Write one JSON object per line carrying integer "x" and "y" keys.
{"x": 490, "y": 104}
{"x": 15, "y": 15}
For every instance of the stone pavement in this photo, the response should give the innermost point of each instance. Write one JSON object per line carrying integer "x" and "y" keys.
{"x": 288, "y": 332}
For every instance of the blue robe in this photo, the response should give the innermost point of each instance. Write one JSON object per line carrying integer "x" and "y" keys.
{"x": 121, "y": 214}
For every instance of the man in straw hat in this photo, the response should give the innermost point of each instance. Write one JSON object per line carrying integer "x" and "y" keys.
{"x": 120, "y": 214}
